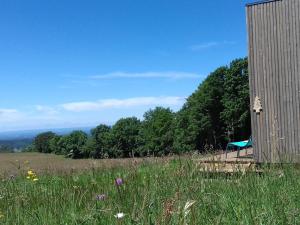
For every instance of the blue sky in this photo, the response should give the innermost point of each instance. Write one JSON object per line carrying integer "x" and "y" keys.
{"x": 76, "y": 63}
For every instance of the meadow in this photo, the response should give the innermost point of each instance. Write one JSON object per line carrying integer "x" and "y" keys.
{"x": 38, "y": 189}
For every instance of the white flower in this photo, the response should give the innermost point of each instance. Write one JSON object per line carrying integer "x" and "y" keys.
{"x": 120, "y": 215}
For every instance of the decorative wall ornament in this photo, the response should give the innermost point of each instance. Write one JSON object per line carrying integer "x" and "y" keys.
{"x": 257, "y": 105}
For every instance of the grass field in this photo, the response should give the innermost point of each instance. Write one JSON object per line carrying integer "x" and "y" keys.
{"x": 18, "y": 163}
{"x": 152, "y": 191}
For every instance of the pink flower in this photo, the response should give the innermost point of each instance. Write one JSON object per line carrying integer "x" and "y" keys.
{"x": 119, "y": 181}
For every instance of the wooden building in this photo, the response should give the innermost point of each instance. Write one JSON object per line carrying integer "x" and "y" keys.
{"x": 274, "y": 67}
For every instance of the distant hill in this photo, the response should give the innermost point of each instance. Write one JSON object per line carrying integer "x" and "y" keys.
{"x": 30, "y": 134}
{"x": 17, "y": 140}
{"x": 14, "y": 145}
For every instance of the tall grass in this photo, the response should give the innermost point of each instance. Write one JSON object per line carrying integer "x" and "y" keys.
{"x": 174, "y": 192}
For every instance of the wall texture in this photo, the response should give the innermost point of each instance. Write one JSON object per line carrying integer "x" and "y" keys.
{"x": 274, "y": 66}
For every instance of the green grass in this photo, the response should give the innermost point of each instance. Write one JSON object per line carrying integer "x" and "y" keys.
{"x": 153, "y": 194}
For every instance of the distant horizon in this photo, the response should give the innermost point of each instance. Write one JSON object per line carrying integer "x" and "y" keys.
{"x": 45, "y": 129}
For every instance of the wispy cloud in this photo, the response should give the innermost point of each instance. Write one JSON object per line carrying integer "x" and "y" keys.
{"x": 148, "y": 75}
{"x": 82, "y": 113}
{"x": 46, "y": 109}
{"x": 211, "y": 44}
{"x": 8, "y": 111}
{"x": 123, "y": 103}
{"x": 8, "y": 115}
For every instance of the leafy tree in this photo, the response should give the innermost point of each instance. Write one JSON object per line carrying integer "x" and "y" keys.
{"x": 73, "y": 144}
{"x": 89, "y": 149}
{"x": 42, "y": 142}
{"x": 125, "y": 135}
{"x": 198, "y": 123}
{"x": 236, "y": 113}
{"x": 29, "y": 148}
{"x": 54, "y": 145}
{"x": 62, "y": 145}
{"x": 102, "y": 142}
{"x": 157, "y": 132}
{"x": 183, "y": 140}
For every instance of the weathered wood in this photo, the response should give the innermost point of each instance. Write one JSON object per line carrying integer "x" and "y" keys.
{"x": 274, "y": 61}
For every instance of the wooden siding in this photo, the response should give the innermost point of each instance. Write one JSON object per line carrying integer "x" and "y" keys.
{"x": 274, "y": 67}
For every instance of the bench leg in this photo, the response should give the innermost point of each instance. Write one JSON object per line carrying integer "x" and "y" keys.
{"x": 238, "y": 152}
{"x": 226, "y": 152}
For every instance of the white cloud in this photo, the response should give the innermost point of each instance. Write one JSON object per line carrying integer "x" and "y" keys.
{"x": 168, "y": 75}
{"x": 123, "y": 103}
{"x": 46, "y": 109}
{"x": 9, "y": 115}
{"x": 43, "y": 116}
{"x": 211, "y": 44}
{"x": 8, "y": 111}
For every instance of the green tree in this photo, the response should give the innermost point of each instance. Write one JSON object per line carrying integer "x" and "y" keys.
{"x": 102, "y": 142}
{"x": 42, "y": 142}
{"x": 183, "y": 140}
{"x": 236, "y": 101}
{"x": 73, "y": 144}
{"x": 29, "y": 148}
{"x": 89, "y": 148}
{"x": 198, "y": 123}
{"x": 54, "y": 145}
{"x": 157, "y": 132}
{"x": 125, "y": 137}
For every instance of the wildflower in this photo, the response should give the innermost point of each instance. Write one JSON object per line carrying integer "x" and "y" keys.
{"x": 119, "y": 181}
{"x": 30, "y": 173}
{"x": 32, "y": 176}
{"x": 101, "y": 197}
{"x": 120, "y": 215}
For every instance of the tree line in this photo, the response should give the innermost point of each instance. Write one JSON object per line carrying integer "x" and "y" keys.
{"x": 217, "y": 112}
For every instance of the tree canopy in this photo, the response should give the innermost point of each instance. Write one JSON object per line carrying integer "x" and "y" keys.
{"x": 42, "y": 142}
{"x": 125, "y": 136}
{"x": 157, "y": 132}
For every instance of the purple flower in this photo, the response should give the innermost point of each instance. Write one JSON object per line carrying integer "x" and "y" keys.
{"x": 101, "y": 197}
{"x": 119, "y": 181}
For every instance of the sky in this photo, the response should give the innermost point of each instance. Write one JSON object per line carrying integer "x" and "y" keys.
{"x": 78, "y": 63}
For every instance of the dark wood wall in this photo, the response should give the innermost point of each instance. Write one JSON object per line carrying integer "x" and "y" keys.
{"x": 274, "y": 66}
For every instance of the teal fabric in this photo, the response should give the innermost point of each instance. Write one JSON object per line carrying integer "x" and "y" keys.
{"x": 242, "y": 144}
